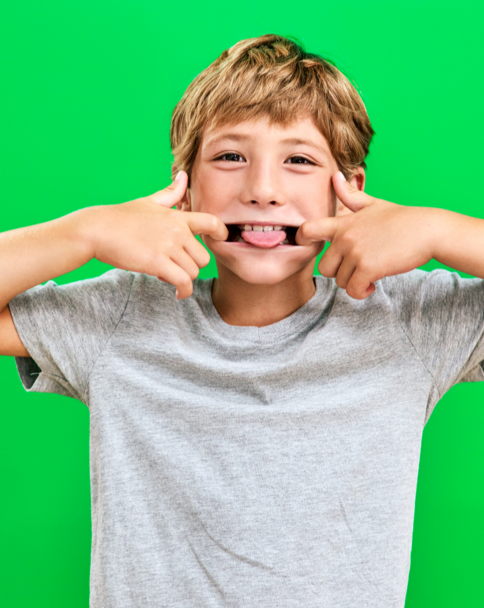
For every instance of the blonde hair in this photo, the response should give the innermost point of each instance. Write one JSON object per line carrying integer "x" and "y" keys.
{"x": 272, "y": 76}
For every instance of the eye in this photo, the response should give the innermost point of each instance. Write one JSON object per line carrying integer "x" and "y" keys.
{"x": 231, "y": 156}
{"x": 299, "y": 160}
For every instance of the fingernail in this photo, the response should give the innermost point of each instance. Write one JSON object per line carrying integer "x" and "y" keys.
{"x": 177, "y": 175}
{"x": 342, "y": 176}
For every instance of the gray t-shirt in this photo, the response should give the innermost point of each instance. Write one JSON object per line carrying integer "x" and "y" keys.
{"x": 252, "y": 467}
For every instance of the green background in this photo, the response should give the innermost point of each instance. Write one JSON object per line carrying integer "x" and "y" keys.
{"x": 87, "y": 93}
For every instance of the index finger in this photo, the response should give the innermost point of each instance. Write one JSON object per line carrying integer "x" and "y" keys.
{"x": 206, "y": 223}
{"x": 312, "y": 231}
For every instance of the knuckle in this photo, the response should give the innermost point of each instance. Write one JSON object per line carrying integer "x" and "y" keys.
{"x": 357, "y": 253}
{"x": 325, "y": 270}
{"x": 177, "y": 229}
{"x": 194, "y": 272}
{"x": 176, "y": 235}
{"x": 310, "y": 229}
{"x": 163, "y": 198}
{"x": 156, "y": 197}
{"x": 303, "y": 228}
{"x": 185, "y": 281}
{"x": 215, "y": 224}
{"x": 346, "y": 240}
{"x": 353, "y": 292}
{"x": 155, "y": 259}
{"x": 159, "y": 260}
{"x": 205, "y": 258}
{"x": 364, "y": 265}
{"x": 304, "y": 231}
{"x": 179, "y": 215}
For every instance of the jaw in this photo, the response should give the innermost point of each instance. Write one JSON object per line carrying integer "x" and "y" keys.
{"x": 263, "y": 266}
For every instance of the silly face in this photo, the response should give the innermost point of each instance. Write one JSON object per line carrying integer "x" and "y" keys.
{"x": 263, "y": 181}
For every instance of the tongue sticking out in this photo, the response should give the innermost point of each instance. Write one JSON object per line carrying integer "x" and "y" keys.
{"x": 267, "y": 239}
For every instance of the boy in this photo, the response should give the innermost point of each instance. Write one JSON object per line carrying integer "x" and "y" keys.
{"x": 254, "y": 439}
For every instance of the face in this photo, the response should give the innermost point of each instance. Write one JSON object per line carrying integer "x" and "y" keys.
{"x": 263, "y": 181}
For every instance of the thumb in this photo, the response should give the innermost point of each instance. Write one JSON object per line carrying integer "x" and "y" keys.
{"x": 172, "y": 194}
{"x": 321, "y": 229}
{"x": 350, "y": 196}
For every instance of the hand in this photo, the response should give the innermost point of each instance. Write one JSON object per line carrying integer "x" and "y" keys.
{"x": 378, "y": 239}
{"x": 147, "y": 235}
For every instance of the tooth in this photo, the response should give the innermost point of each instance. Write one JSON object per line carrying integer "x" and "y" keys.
{"x": 285, "y": 242}
{"x": 258, "y": 228}
{"x": 277, "y": 227}
{"x": 247, "y": 227}
{"x": 268, "y": 228}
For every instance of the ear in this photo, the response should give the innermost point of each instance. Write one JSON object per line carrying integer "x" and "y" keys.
{"x": 185, "y": 203}
{"x": 357, "y": 180}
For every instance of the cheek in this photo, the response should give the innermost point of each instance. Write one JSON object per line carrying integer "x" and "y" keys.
{"x": 319, "y": 200}
{"x": 206, "y": 195}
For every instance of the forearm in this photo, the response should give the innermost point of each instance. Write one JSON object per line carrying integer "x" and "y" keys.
{"x": 32, "y": 255}
{"x": 459, "y": 242}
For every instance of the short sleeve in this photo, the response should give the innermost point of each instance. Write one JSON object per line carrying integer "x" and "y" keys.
{"x": 442, "y": 315}
{"x": 65, "y": 328}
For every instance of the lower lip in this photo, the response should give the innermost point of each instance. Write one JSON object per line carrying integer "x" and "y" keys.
{"x": 250, "y": 246}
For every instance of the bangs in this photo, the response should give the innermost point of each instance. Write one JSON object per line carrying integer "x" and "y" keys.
{"x": 281, "y": 113}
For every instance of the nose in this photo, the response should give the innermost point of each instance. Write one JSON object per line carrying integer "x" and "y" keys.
{"x": 263, "y": 187}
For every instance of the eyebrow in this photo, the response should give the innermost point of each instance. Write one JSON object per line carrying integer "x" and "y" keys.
{"x": 306, "y": 142}
{"x": 230, "y": 136}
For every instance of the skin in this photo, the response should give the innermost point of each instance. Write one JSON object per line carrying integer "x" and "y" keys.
{"x": 255, "y": 172}
{"x": 370, "y": 238}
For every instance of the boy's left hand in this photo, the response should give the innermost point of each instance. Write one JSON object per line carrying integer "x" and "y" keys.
{"x": 378, "y": 239}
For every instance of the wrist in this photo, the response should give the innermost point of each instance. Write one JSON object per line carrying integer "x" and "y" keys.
{"x": 441, "y": 224}
{"x": 460, "y": 243}
{"x": 84, "y": 228}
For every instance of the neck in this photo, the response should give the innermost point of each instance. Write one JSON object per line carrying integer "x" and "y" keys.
{"x": 248, "y": 304}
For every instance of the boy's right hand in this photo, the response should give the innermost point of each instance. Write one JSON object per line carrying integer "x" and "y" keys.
{"x": 146, "y": 235}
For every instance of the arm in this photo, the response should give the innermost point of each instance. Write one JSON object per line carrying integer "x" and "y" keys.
{"x": 32, "y": 255}
{"x": 461, "y": 242}
{"x": 145, "y": 235}
{"x": 383, "y": 239}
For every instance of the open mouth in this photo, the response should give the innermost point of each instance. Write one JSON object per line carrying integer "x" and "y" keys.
{"x": 262, "y": 236}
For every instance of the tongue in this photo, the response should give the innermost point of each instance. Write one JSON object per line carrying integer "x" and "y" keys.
{"x": 268, "y": 239}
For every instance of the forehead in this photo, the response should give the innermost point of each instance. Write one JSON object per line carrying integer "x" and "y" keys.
{"x": 301, "y": 131}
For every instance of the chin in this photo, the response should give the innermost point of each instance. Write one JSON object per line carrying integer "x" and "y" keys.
{"x": 264, "y": 273}
{"x": 257, "y": 266}
{"x": 262, "y": 278}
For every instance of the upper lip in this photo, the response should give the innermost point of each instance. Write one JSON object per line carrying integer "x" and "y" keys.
{"x": 251, "y": 223}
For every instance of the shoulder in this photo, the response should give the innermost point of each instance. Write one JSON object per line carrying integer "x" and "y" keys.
{"x": 433, "y": 301}
{"x": 105, "y": 291}
{"x": 152, "y": 298}
{"x": 150, "y": 287}
{"x": 436, "y": 285}
{"x": 413, "y": 294}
